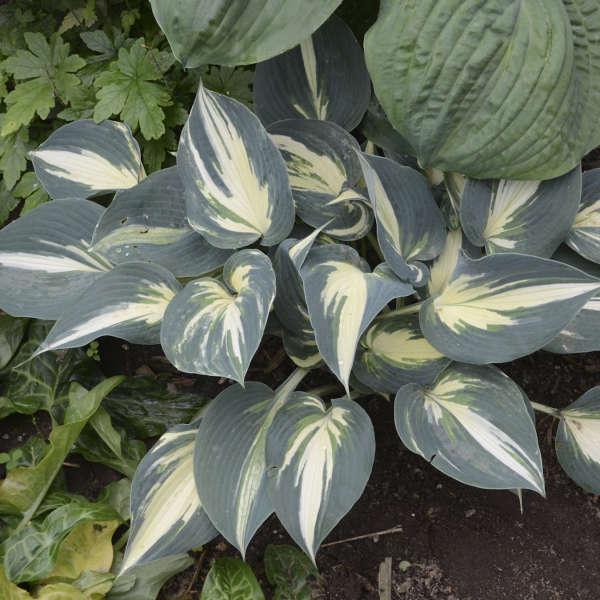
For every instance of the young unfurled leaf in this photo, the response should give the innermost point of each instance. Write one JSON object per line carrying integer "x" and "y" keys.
{"x": 166, "y": 514}
{"x": 320, "y": 460}
{"x": 236, "y": 182}
{"x": 473, "y": 424}
{"x": 324, "y": 78}
{"x": 213, "y": 327}
{"x": 231, "y": 579}
{"x": 291, "y": 573}
{"x": 504, "y": 306}
{"x": 584, "y": 236}
{"x": 84, "y": 159}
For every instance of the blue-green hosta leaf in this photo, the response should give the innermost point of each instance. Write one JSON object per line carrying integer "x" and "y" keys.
{"x": 83, "y": 159}
{"x": 320, "y": 461}
{"x": 473, "y": 424}
{"x": 166, "y": 515}
{"x": 410, "y": 226}
{"x": 578, "y": 441}
{"x": 393, "y": 352}
{"x": 324, "y": 77}
{"x": 229, "y": 461}
{"x": 530, "y": 217}
{"x": 584, "y": 236}
{"x": 443, "y": 266}
{"x": 237, "y": 32}
{"x": 148, "y": 222}
{"x": 237, "y": 188}
{"x": 213, "y": 327}
{"x": 322, "y": 164}
{"x": 504, "y": 306}
{"x": 129, "y": 302}
{"x": 231, "y": 579}
{"x": 45, "y": 258}
{"x": 343, "y": 297}
{"x": 301, "y": 346}
{"x": 490, "y": 95}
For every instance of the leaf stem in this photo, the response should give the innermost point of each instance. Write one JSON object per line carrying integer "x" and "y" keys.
{"x": 292, "y": 382}
{"x": 408, "y": 310}
{"x": 373, "y": 239}
{"x": 546, "y": 409}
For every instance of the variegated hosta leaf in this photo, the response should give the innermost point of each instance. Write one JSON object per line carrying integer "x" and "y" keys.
{"x": 443, "y": 266}
{"x": 129, "y": 302}
{"x": 324, "y": 78}
{"x": 45, "y": 258}
{"x": 237, "y": 188}
{"x": 321, "y": 460}
{"x": 343, "y": 297}
{"x": 455, "y": 186}
{"x": 578, "y": 441}
{"x": 473, "y": 424}
{"x": 504, "y": 306}
{"x": 301, "y": 346}
{"x": 148, "y": 222}
{"x": 83, "y": 159}
{"x": 410, "y": 226}
{"x": 166, "y": 515}
{"x": 229, "y": 459}
{"x": 584, "y": 236}
{"x": 393, "y": 352}
{"x": 322, "y": 163}
{"x": 530, "y": 217}
{"x": 213, "y": 327}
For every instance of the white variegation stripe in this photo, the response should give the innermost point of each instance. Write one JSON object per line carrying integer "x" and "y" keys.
{"x": 85, "y": 167}
{"x": 133, "y": 234}
{"x": 588, "y": 217}
{"x": 445, "y": 263}
{"x": 309, "y": 59}
{"x": 401, "y": 346}
{"x": 585, "y": 430}
{"x": 384, "y": 210}
{"x": 80, "y": 260}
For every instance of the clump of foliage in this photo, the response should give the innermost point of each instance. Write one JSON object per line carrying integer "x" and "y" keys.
{"x": 265, "y": 220}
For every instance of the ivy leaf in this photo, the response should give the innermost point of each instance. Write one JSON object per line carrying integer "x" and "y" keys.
{"x": 13, "y": 154}
{"x": 48, "y": 69}
{"x": 129, "y": 89}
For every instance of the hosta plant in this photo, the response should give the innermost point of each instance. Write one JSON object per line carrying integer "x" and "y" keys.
{"x": 404, "y": 282}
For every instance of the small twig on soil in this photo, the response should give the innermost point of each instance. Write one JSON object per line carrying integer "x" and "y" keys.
{"x": 546, "y": 409}
{"x": 396, "y": 529}
{"x": 199, "y": 562}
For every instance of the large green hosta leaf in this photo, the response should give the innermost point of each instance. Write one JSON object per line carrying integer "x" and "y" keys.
{"x": 578, "y": 440}
{"x": 343, "y": 297}
{"x": 324, "y": 78}
{"x": 474, "y": 425}
{"x": 237, "y": 32}
{"x": 166, "y": 515}
{"x": 495, "y": 89}
{"x": 237, "y": 188}
{"x": 322, "y": 164}
{"x": 213, "y": 327}
{"x": 410, "y": 226}
{"x": 529, "y": 217}
{"x": 584, "y": 236}
{"x": 321, "y": 460}
{"x": 45, "y": 258}
{"x": 504, "y": 306}
{"x": 129, "y": 302}
{"x": 148, "y": 222}
{"x": 83, "y": 159}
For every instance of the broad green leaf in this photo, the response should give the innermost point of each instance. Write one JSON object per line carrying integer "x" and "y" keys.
{"x": 31, "y": 552}
{"x": 577, "y": 440}
{"x": 237, "y": 188}
{"x": 23, "y": 489}
{"x": 14, "y": 149}
{"x": 492, "y": 92}
{"x": 117, "y": 494}
{"x": 148, "y": 222}
{"x": 324, "y": 77}
{"x": 229, "y": 462}
{"x": 84, "y": 159}
{"x": 584, "y": 236}
{"x": 504, "y": 306}
{"x": 94, "y": 585}
{"x": 394, "y": 352}
{"x": 410, "y": 226}
{"x": 12, "y": 331}
{"x": 472, "y": 424}
{"x": 128, "y": 302}
{"x": 131, "y": 89}
{"x": 213, "y": 327}
{"x": 8, "y": 202}
{"x": 290, "y": 572}
{"x": 237, "y": 32}
{"x": 166, "y": 514}
{"x": 231, "y": 579}
{"x": 11, "y": 591}
{"x": 324, "y": 172}
{"x": 45, "y": 258}
{"x": 320, "y": 461}
{"x": 343, "y": 297}
{"x": 529, "y": 217}
{"x": 30, "y": 189}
